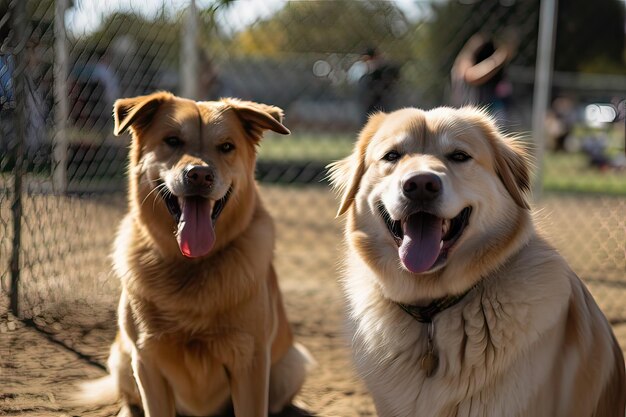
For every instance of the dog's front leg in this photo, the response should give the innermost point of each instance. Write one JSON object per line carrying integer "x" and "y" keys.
{"x": 156, "y": 396}
{"x": 250, "y": 385}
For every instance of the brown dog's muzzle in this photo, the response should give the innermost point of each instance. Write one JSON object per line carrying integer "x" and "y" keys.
{"x": 194, "y": 209}
{"x": 198, "y": 179}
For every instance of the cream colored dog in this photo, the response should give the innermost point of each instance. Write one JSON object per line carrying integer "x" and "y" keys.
{"x": 201, "y": 320}
{"x": 457, "y": 305}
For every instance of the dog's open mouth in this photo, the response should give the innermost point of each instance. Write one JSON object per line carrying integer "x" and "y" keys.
{"x": 195, "y": 217}
{"x": 424, "y": 240}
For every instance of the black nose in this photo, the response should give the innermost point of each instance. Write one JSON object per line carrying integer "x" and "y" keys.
{"x": 199, "y": 176}
{"x": 424, "y": 186}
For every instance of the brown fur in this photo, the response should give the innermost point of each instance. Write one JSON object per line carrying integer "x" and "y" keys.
{"x": 198, "y": 332}
{"x": 528, "y": 340}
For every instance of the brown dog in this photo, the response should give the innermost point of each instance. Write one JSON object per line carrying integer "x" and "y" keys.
{"x": 201, "y": 320}
{"x": 458, "y": 305}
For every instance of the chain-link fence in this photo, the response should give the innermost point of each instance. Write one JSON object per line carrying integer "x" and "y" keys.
{"x": 327, "y": 64}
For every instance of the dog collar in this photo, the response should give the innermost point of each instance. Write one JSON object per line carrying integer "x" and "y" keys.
{"x": 425, "y": 314}
{"x": 430, "y": 359}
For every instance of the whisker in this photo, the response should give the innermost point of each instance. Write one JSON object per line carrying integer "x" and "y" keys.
{"x": 163, "y": 191}
{"x": 157, "y": 188}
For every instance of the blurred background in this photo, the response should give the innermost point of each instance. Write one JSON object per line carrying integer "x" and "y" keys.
{"x": 553, "y": 72}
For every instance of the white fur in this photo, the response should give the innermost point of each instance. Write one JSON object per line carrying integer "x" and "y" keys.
{"x": 528, "y": 340}
{"x": 506, "y": 326}
{"x": 99, "y": 391}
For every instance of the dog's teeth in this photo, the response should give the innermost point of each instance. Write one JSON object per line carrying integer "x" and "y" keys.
{"x": 440, "y": 245}
{"x": 445, "y": 227}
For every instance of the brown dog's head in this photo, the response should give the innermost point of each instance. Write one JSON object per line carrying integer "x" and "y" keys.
{"x": 192, "y": 163}
{"x": 436, "y": 198}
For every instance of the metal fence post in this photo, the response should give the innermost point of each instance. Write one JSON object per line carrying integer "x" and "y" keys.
{"x": 189, "y": 54}
{"x": 543, "y": 85}
{"x": 61, "y": 110}
{"x": 19, "y": 24}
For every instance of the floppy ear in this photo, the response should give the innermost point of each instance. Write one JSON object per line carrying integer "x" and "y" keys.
{"x": 345, "y": 175}
{"x": 513, "y": 168}
{"x": 136, "y": 112}
{"x": 257, "y": 117}
{"x": 512, "y": 159}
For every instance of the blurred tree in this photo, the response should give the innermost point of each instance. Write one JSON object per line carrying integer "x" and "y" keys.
{"x": 127, "y": 43}
{"x": 590, "y": 36}
{"x": 328, "y": 27}
{"x": 207, "y": 15}
{"x": 132, "y": 30}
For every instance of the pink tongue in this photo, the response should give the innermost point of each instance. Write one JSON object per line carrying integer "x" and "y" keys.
{"x": 195, "y": 229}
{"x": 420, "y": 246}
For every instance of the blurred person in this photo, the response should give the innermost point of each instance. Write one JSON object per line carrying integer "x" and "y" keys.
{"x": 106, "y": 89}
{"x": 7, "y": 102}
{"x": 478, "y": 75}
{"x": 597, "y": 144}
{"x": 376, "y": 85}
{"x": 620, "y": 108}
{"x": 37, "y": 88}
{"x": 7, "y": 99}
{"x": 36, "y": 109}
{"x": 560, "y": 121}
{"x": 105, "y": 75}
{"x": 93, "y": 88}
{"x": 595, "y": 148}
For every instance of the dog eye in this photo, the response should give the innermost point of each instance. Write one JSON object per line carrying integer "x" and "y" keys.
{"x": 173, "y": 142}
{"x": 459, "y": 156}
{"x": 226, "y": 147}
{"x": 391, "y": 156}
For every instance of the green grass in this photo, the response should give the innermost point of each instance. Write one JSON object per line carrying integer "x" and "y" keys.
{"x": 305, "y": 147}
{"x": 562, "y": 172}
{"x": 572, "y": 173}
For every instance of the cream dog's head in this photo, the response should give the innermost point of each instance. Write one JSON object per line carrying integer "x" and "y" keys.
{"x": 436, "y": 199}
{"x": 192, "y": 163}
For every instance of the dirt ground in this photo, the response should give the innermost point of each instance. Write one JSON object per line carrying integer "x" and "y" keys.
{"x": 70, "y": 295}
